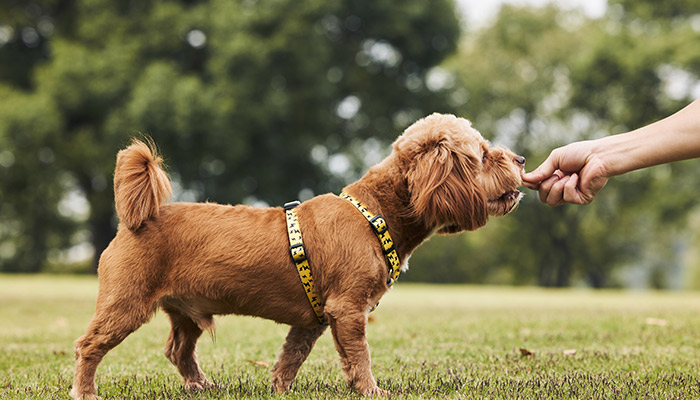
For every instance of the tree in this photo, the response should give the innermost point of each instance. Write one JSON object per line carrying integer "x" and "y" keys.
{"x": 540, "y": 78}
{"x": 248, "y": 102}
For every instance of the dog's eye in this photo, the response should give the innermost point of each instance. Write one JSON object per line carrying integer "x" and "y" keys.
{"x": 484, "y": 157}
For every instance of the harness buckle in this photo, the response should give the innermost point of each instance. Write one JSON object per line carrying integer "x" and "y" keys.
{"x": 291, "y": 204}
{"x": 378, "y": 224}
{"x": 389, "y": 250}
{"x": 298, "y": 252}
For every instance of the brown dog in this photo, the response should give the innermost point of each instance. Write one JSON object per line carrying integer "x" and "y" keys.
{"x": 196, "y": 260}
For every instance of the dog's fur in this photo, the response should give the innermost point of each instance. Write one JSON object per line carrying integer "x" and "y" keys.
{"x": 196, "y": 260}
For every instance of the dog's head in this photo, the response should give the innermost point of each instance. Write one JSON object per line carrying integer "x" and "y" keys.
{"x": 454, "y": 176}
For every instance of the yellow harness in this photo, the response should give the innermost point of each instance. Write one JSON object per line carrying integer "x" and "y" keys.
{"x": 298, "y": 252}
{"x": 381, "y": 229}
{"x": 299, "y": 257}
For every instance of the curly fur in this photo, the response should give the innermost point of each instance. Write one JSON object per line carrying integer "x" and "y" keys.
{"x": 197, "y": 260}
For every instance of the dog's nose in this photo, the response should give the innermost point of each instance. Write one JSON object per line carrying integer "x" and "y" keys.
{"x": 520, "y": 160}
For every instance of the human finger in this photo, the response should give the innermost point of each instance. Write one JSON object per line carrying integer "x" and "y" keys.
{"x": 544, "y": 171}
{"x": 530, "y": 185}
{"x": 555, "y": 196}
{"x": 571, "y": 192}
{"x": 546, "y": 185}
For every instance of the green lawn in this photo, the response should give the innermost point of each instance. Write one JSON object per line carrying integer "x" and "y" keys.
{"x": 427, "y": 342}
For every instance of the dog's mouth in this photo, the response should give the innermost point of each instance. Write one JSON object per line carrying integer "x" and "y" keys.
{"x": 505, "y": 203}
{"x": 499, "y": 206}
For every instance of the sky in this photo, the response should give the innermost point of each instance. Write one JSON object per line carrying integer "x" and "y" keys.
{"x": 479, "y": 12}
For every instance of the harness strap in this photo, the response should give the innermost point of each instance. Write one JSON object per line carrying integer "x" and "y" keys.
{"x": 381, "y": 229}
{"x": 298, "y": 253}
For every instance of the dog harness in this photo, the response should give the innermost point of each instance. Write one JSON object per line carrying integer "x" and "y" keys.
{"x": 299, "y": 257}
{"x": 298, "y": 252}
{"x": 381, "y": 229}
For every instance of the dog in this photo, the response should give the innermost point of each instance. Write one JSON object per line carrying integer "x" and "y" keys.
{"x": 197, "y": 260}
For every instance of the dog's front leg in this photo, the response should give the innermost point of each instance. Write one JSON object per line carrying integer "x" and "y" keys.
{"x": 348, "y": 329}
{"x": 296, "y": 348}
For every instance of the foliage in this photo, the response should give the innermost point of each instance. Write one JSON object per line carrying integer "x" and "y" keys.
{"x": 264, "y": 102}
{"x": 568, "y": 78}
{"x": 662, "y": 11}
{"x": 237, "y": 94}
{"x": 427, "y": 342}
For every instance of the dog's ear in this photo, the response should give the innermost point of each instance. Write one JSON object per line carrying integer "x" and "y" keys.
{"x": 444, "y": 189}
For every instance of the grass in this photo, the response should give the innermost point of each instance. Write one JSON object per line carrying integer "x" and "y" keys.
{"x": 426, "y": 341}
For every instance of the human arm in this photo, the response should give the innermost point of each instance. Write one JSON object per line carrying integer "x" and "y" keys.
{"x": 576, "y": 172}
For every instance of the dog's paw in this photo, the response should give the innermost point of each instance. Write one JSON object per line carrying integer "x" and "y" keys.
{"x": 375, "y": 392}
{"x": 198, "y": 385}
{"x": 279, "y": 389}
{"x": 282, "y": 390}
{"x": 280, "y": 385}
{"x": 74, "y": 394}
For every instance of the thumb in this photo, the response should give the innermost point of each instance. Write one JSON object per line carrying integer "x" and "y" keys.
{"x": 544, "y": 171}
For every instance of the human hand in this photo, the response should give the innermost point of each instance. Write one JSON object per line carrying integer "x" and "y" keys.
{"x": 571, "y": 174}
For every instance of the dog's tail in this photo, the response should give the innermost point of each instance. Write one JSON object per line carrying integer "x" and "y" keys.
{"x": 141, "y": 185}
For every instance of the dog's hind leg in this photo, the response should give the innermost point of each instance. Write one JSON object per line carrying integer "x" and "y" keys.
{"x": 296, "y": 348}
{"x": 112, "y": 323}
{"x": 181, "y": 347}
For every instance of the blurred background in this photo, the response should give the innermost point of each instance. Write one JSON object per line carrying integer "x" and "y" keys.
{"x": 263, "y": 102}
